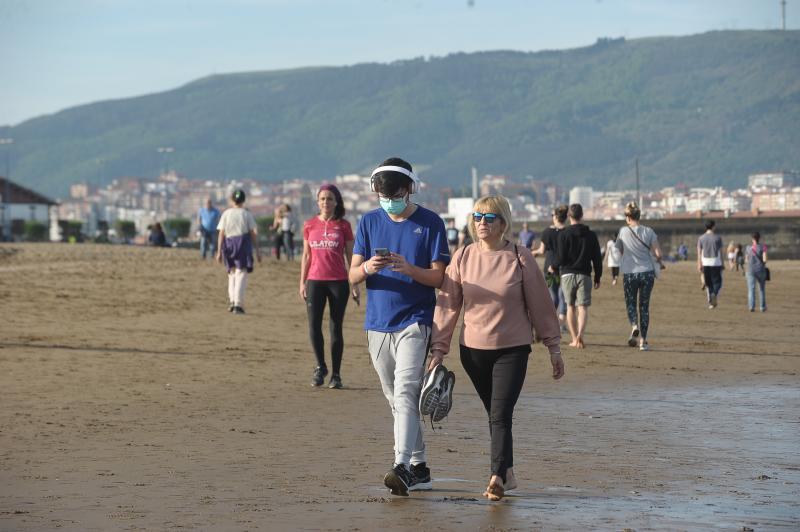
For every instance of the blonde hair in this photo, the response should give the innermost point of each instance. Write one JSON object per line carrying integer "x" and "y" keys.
{"x": 633, "y": 211}
{"x": 496, "y": 204}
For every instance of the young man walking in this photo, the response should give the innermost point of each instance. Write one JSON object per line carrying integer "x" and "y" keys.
{"x": 401, "y": 252}
{"x": 709, "y": 262}
{"x": 207, "y": 220}
{"x": 577, "y": 255}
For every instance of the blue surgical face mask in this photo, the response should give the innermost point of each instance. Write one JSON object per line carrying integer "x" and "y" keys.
{"x": 393, "y": 206}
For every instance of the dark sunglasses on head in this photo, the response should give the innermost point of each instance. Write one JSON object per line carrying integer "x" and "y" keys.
{"x": 490, "y": 217}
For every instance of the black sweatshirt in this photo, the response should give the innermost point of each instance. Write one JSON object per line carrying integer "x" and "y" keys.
{"x": 578, "y": 249}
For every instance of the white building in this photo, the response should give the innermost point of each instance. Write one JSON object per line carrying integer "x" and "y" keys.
{"x": 458, "y": 209}
{"x": 20, "y": 205}
{"x": 773, "y": 180}
{"x": 582, "y": 195}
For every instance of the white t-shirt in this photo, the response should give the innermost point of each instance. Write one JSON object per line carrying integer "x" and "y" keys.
{"x": 612, "y": 254}
{"x": 236, "y": 221}
{"x": 287, "y": 222}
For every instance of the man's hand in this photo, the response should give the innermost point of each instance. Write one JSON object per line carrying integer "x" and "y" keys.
{"x": 376, "y": 263}
{"x": 356, "y": 293}
{"x": 596, "y": 284}
{"x": 399, "y": 265}
{"x": 558, "y": 365}
{"x": 436, "y": 359}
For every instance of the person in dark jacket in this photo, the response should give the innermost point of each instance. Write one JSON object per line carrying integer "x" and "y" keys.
{"x": 578, "y": 253}
{"x": 157, "y": 236}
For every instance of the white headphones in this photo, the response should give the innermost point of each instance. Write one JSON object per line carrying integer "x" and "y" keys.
{"x": 415, "y": 182}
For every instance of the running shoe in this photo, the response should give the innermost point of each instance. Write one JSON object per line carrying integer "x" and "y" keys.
{"x": 422, "y": 477}
{"x": 231, "y": 306}
{"x": 319, "y": 376}
{"x": 632, "y": 339}
{"x": 336, "y": 382}
{"x": 398, "y": 480}
{"x": 436, "y": 397}
{"x": 644, "y": 347}
{"x": 238, "y": 310}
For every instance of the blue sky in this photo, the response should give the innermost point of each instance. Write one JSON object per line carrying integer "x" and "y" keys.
{"x": 56, "y": 54}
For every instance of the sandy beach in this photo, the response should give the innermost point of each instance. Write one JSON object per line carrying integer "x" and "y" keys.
{"x": 132, "y": 400}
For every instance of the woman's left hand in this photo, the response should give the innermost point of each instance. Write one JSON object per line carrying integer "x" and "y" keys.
{"x": 558, "y": 365}
{"x": 436, "y": 359}
{"x": 398, "y": 264}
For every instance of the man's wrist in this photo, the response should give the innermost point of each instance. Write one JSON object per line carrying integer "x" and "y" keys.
{"x": 366, "y": 270}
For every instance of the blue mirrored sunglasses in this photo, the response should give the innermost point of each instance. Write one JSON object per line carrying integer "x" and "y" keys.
{"x": 490, "y": 217}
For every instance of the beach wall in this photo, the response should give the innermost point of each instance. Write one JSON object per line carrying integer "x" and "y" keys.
{"x": 780, "y": 234}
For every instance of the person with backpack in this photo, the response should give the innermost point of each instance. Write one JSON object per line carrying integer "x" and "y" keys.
{"x": 401, "y": 252}
{"x": 504, "y": 297}
{"x": 756, "y": 272}
{"x": 641, "y": 261}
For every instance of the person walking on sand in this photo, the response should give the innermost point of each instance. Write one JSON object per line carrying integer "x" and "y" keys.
{"x": 526, "y": 236}
{"x": 277, "y": 236}
{"x": 740, "y": 259}
{"x": 731, "y": 251}
{"x": 401, "y": 252}
{"x": 756, "y": 272}
{"x": 578, "y": 254}
{"x": 504, "y": 297}
{"x": 709, "y": 262}
{"x": 238, "y": 238}
{"x": 638, "y": 246}
{"x": 327, "y": 252}
{"x": 207, "y": 220}
{"x": 549, "y": 247}
{"x": 287, "y": 230}
{"x": 613, "y": 256}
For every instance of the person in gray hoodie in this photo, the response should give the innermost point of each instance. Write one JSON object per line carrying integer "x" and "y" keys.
{"x": 577, "y": 256}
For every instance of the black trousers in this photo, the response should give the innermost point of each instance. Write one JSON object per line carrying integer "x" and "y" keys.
{"x": 336, "y": 294}
{"x": 713, "y": 278}
{"x": 498, "y": 375}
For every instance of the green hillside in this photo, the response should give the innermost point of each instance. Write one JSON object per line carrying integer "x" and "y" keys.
{"x": 706, "y": 110}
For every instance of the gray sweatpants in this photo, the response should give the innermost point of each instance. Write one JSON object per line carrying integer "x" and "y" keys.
{"x": 399, "y": 359}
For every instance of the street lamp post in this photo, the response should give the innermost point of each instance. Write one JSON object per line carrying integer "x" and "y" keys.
{"x": 6, "y": 143}
{"x": 165, "y": 151}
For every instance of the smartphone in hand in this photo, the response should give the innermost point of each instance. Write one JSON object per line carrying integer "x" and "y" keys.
{"x": 382, "y": 252}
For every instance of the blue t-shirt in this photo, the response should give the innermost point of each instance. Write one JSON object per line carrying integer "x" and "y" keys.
{"x": 394, "y": 300}
{"x": 209, "y": 218}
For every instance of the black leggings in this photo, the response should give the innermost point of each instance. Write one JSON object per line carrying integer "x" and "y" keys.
{"x": 498, "y": 375}
{"x": 317, "y": 293}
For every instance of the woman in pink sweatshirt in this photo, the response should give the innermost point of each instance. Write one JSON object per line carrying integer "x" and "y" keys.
{"x": 505, "y": 298}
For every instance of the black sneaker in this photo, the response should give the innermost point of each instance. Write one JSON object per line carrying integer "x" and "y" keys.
{"x": 422, "y": 477}
{"x": 398, "y": 480}
{"x": 336, "y": 382}
{"x": 319, "y": 376}
{"x": 231, "y": 306}
{"x": 238, "y": 310}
